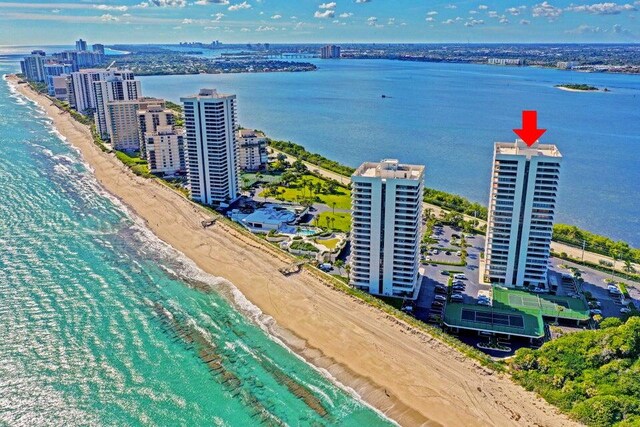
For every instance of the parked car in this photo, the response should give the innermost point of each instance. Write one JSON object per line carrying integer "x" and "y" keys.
{"x": 326, "y": 267}
{"x": 435, "y": 252}
{"x": 444, "y": 273}
{"x": 440, "y": 290}
{"x": 458, "y": 282}
{"x": 447, "y": 253}
{"x": 457, "y": 298}
{"x": 625, "y": 310}
{"x": 595, "y": 304}
{"x": 595, "y": 311}
{"x": 484, "y": 302}
{"x": 437, "y": 304}
{"x": 440, "y": 298}
{"x": 459, "y": 276}
{"x": 463, "y": 287}
{"x": 459, "y": 253}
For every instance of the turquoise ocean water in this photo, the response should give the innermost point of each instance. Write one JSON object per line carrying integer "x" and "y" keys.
{"x": 103, "y": 324}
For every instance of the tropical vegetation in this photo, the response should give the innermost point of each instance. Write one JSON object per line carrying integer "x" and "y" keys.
{"x": 592, "y": 375}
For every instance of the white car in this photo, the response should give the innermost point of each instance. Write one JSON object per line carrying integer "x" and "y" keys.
{"x": 625, "y": 310}
{"x": 595, "y": 311}
{"x": 484, "y": 302}
{"x": 459, "y": 276}
{"x": 457, "y": 297}
{"x": 459, "y": 253}
{"x": 440, "y": 298}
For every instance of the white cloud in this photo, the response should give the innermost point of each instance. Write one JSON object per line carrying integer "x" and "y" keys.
{"x": 206, "y": 2}
{"x": 331, "y": 5}
{"x": 168, "y": 3}
{"x": 473, "y": 22}
{"x": 602, "y": 8}
{"x": 525, "y": 22}
{"x": 187, "y": 21}
{"x": 483, "y": 7}
{"x": 515, "y": 11}
{"x": 239, "y": 6}
{"x": 324, "y": 15}
{"x": 264, "y": 28}
{"x": 276, "y": 17}
{"x": 546, "y": 10}
{"x": 346, "y": 15}
{"x": 218, "y": 16}
{"x": 109, "y": 7}
{"x": 107, "y": 17}
{"x": 451, "y": 6}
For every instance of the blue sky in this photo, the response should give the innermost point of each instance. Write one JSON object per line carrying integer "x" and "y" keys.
{"x": 31, "y": 22}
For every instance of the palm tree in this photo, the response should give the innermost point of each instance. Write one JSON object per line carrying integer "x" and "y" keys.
{"x": 628, "y": 267}
{"x": 333, "y": 206}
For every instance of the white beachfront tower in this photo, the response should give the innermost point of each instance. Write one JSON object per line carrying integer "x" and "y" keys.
{"x": 522, "y": 205}
{"x": 210, "y": 147}
{"x": 386, "y": 200}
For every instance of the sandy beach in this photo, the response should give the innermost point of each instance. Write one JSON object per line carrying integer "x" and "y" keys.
{"x": 412, "y": 377}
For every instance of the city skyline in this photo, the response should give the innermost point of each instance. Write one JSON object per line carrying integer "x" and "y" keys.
{"x": 235, "y": 21}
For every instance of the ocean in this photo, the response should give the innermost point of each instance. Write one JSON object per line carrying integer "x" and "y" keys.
{"x": 447, "y": 117}
{"x": 103, "y": 324}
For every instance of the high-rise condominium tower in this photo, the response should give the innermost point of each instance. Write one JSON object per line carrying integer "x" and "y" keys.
{"x": 522, "y": 204}
{"x": 116, "y": 85}
{"x": 386, "y": 200}
{"x": 210, "y": 146}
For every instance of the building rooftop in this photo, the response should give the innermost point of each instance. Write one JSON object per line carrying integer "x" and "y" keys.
{"x": 249, "y": 133}
{"x": 520, "y": 148}
{"x": 390, "y": 169}
{"x": 209, "y": 93}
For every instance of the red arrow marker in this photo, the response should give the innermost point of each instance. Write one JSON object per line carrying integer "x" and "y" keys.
{"x": 529, "y": 132}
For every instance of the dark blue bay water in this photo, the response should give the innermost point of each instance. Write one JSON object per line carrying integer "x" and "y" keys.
{"x": 447, "y": 116}
{"x": 102, "y": 324}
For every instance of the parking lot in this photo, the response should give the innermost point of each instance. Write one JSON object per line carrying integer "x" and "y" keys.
{"x": 438, "y": 275}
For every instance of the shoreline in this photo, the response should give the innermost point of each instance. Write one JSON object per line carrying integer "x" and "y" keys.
{"x": 411, "y": 377}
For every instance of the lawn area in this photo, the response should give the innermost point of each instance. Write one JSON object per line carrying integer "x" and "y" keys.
{"x": 341, "y": 221}
{"x": 295, "y": 191}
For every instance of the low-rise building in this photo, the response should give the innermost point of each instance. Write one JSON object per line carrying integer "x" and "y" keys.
{"x": 252, "y": 147}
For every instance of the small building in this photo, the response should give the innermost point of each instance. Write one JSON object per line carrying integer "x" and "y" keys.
{"x": 264, "y": 220}
{"x": 252, "y": 147}
{"x": 505, "y": 61}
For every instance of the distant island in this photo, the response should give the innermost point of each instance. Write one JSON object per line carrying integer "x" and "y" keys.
{"x": 579, "y": 87}
{"x": 155, "y": 62}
